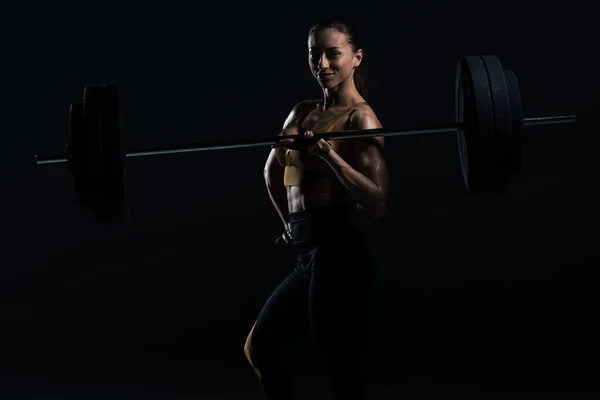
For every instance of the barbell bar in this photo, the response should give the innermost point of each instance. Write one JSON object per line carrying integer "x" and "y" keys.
{"x": 489, "y": 125}
{"x": 451, "y": 127}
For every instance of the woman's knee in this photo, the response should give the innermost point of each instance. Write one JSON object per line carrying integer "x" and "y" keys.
{"x": 248, "y": 351}
{"x": 259, "y": 351}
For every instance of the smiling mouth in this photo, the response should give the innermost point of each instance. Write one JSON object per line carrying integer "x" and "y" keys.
{"x": 323, "y": 76}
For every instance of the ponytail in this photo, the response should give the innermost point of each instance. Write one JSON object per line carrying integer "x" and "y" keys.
{"x": 359, "y": 81}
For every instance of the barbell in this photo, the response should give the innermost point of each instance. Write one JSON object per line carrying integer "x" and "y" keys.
{"x": 489, "y": 125}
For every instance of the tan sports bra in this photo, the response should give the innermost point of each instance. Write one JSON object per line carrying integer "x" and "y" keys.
{"x": 296, "y": 162}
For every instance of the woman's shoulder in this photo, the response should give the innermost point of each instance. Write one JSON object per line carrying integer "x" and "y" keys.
{"x": 305, "y": 105}
{"x": 300, "y": 108}
{"x": 364, "y": 117}
{"x": 363, "y": 107}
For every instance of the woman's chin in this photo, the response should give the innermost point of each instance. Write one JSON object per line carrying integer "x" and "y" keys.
{"x": 327, "y": 85}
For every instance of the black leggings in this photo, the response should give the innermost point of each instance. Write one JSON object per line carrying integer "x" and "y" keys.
{"x": 325, "y": 296}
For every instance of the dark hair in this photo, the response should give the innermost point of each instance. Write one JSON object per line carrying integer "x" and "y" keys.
{"x": 349, "y": 29}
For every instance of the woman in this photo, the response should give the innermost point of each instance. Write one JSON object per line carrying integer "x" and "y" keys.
{"x": 311, "y": 183}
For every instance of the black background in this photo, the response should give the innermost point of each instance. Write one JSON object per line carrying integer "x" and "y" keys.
{"x": 475, "y": 296}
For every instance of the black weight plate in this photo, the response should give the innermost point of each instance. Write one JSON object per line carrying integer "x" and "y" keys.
{"x": 92, "y": 108}
{"x": 502, "y": 121}
{"x": 462, "y": 95}
{"x": 89, "y": 155}
{"x": 114, "y": 204}
{"x": 475, "y": 114}
{"x": 515, "y": 150}
{"x": 78, "y": 160}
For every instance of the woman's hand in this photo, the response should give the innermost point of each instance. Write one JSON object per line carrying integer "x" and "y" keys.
{"x": 286, "y": 236}
{"x": 307, "y": 142}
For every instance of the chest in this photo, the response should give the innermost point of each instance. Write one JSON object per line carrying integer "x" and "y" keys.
{"x": 319, "y": 122}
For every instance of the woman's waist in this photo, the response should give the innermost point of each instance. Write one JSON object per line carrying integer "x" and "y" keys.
{"x": 320, "y": 223}
{"x": 308, "y": 196}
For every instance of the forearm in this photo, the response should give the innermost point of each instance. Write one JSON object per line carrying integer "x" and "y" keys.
{"x": 362, "y": 189}
{"x": 277, "y": 194}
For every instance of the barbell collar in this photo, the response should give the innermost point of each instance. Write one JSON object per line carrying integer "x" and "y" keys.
{"x": 256, "y": 142}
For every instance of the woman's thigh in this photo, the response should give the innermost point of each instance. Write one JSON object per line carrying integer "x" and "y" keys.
{"x": 284, "y": 316}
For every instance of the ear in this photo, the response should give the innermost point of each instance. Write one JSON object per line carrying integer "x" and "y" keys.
{"x": 358, "y": 57}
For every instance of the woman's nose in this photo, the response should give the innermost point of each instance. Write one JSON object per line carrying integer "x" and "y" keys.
{"x": 323, "y": 62}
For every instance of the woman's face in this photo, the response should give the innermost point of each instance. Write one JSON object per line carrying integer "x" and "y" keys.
{"x": 331, "y": 58}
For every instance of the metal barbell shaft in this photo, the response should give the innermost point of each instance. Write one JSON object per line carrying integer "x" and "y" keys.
{"x": 254, "y": 142}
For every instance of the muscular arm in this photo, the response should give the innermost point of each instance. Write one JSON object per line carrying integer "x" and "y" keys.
{"x": 367, "y": 180}
{"x": 273, "y": 174}
{"x": 273, "y": 171}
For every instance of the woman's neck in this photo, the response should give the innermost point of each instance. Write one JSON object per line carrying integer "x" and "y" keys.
{"x": 340, "y": 96}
